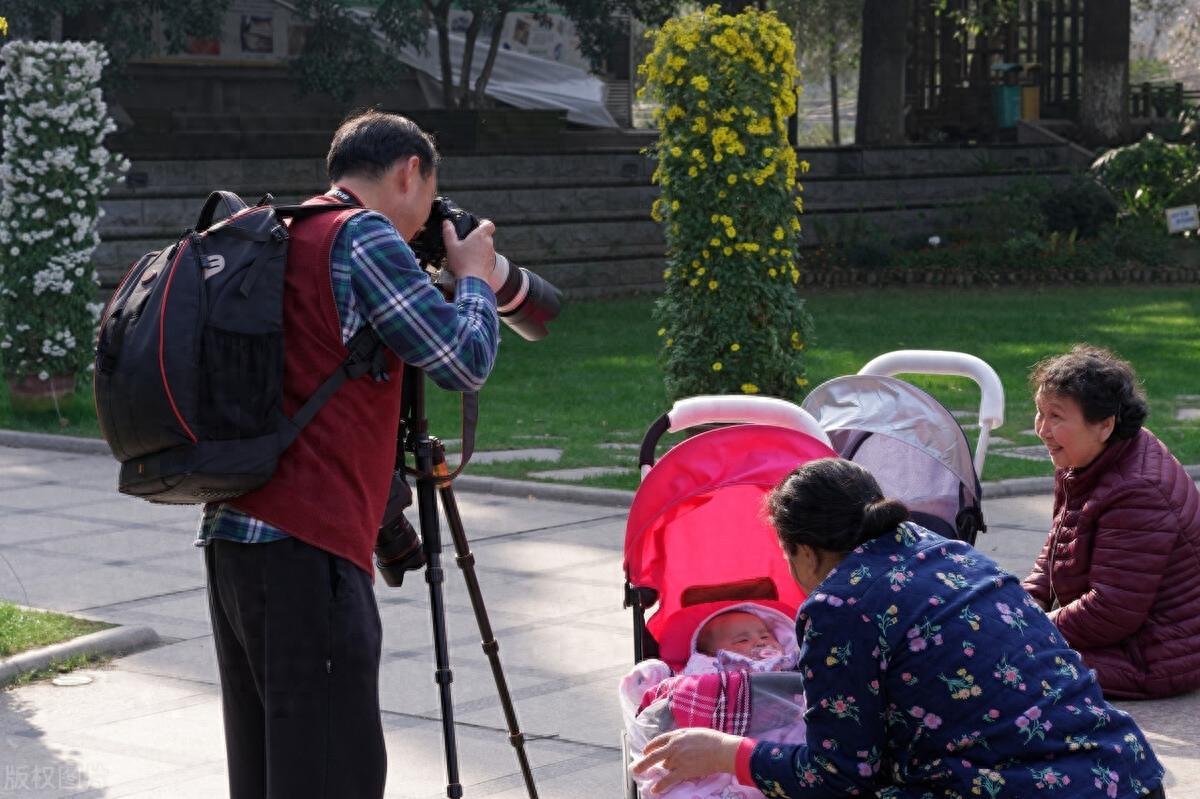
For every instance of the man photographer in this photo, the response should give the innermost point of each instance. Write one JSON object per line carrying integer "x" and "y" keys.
{"x": 294, "y": 617}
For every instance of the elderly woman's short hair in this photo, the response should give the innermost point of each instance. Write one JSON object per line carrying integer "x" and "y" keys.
{"x": 1103, "y": 385}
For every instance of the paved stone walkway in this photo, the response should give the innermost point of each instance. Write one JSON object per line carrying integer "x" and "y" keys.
{"x": 149, "y": 725}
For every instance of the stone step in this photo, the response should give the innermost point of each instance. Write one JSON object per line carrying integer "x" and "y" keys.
{"x": 459, "y": 172}
{"x": 135, "y": 217}
{"x": 462, "y": 172}
{"x": 600, "y": 277}
{"x": 578, "y": 252}
{"x": 913, "y": 160}
{"x": 219, "y": 144}
{"x": 527, "y": 245}
{"x": 149, "y": 215}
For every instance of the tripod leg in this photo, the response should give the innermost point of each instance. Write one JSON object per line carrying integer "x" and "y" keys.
{"x": 435, "y": 576}
{"x": 466, "y": 562}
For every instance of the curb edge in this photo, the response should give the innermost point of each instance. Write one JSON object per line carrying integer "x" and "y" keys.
{"x": 117, "y": 640}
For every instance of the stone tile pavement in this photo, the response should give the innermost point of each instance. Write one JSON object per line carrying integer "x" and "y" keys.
{"x": 149, "y": 725}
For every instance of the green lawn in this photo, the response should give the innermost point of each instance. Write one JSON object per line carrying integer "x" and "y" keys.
{"x": 28, "y": 629}
{"x": 595, "y": 379}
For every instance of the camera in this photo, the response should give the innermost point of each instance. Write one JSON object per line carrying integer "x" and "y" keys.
{"x": 526, "y": 302}
{"x": 398, "y": 546}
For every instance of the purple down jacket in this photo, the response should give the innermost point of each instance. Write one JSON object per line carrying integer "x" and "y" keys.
{"x": 1120, "y": 570}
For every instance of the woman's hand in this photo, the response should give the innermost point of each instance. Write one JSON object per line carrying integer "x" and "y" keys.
{"x": 688, "y": 755}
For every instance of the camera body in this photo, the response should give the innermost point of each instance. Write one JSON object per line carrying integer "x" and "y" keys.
{"x": 525, "y": 301}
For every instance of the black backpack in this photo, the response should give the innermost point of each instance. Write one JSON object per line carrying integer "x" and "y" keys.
{"x": 190, "y": 358}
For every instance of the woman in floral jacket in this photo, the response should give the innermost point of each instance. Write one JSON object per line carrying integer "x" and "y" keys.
{"x": 928, "y": 671}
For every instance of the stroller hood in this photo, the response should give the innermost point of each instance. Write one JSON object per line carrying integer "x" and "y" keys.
{"x": 696, "y": 531}
{"x": 855, "y": 405}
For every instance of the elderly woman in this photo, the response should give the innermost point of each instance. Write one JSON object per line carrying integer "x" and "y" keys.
{"x": 1120, "y": 571}
{"x": 927, "y": 671}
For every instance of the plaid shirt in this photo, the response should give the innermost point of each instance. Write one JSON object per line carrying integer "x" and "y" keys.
{"x": 376, "y": 280}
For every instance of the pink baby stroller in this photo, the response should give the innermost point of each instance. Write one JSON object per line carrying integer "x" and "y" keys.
{"x": 696, "y": 539}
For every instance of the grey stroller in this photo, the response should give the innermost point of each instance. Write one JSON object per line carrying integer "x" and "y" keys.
{"x": 914, "y": 447}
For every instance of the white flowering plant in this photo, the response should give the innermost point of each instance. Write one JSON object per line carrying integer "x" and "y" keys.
{"x": 53, "y": 173}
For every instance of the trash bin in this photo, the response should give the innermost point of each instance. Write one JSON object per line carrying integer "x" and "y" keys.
{"x": 1031, "y": 93}
{"x": 1006, "y": 104}
{"x": 1006, "y": 95}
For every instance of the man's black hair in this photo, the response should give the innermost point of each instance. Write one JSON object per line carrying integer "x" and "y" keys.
{"x": 367, "y": 144}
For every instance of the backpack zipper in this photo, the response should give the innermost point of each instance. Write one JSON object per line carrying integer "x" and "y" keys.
{"x": 162, "y": 334}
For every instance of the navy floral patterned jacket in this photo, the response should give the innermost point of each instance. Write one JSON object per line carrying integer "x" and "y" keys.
{"x": 929, "y": 672}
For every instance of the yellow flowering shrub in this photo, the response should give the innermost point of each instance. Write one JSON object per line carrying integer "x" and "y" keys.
{"x": 730, "y": 318}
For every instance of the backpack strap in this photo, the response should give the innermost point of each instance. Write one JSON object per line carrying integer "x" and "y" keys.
{"x": 310, "y": 209}
{"x": 368, "y": 354}
{"x": 226, "y": 201}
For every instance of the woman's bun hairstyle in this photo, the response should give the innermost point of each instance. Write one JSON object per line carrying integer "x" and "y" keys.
{"x": 881, "y": 517}
{"x": 831, "y": 504}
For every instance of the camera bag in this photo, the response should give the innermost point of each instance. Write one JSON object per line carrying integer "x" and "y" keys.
{"x": 190, "y": 358}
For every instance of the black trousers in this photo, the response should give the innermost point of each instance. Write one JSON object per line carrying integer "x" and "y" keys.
{"x": 298, "y": 643}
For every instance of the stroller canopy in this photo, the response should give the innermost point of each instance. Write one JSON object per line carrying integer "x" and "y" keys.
{"x": 913, "y": 446}
{"x": 696, "y": 532}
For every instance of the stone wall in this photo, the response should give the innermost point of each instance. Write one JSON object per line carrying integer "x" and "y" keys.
{"x": 581, "y": 218}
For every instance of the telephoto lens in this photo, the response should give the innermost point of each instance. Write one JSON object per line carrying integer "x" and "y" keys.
{"x": 397, "y": 545}
{"x": 398, "y": 550}
{"x": 526, "y": 302}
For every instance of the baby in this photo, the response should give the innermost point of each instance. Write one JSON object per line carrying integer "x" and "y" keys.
{"x": 740, "y": 632}
{"x": 737, "y": 640}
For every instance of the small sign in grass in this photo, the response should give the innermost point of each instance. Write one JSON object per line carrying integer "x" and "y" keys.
{"x": 22, "y": 629}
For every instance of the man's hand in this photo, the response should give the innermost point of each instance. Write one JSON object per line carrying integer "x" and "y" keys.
{"x": 474, "y": 256}
{"x": 688, "y": 755}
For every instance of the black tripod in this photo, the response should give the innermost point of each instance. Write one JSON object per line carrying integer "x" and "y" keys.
{"x": 434, "y": 479}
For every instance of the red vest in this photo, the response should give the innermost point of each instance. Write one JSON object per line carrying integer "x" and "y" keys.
{"x": 331, "y": 485}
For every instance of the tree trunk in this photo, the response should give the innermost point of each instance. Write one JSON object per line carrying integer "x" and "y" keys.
{"x": 493, "y": 47}
{"x": 1104, "y": 99}
{"x": 738, "y": 6}
{"x": 468, "y": 58}
{"x": 441, "y": 18}
{"x": 881, "y": 73}
{"x": 834, "y": 117}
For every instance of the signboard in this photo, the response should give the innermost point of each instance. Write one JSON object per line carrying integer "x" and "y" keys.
{"x": 1183, "y": 218}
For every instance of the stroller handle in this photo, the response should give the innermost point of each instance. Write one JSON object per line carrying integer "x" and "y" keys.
{"x": 957, "y": 364}
{"x": 718, "y": 409}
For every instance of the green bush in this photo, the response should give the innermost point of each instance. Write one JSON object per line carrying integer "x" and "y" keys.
{"x": 1151, "y": 175}
{"x": 1083, "y": 206}
{"x": 730, "y": 317}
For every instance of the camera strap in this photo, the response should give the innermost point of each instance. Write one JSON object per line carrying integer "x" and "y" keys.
{"x": 469, "y": 420}
{"x": 470, "y": 417}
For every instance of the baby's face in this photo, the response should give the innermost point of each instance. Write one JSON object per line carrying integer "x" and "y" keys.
{"x": 740, "y": 632}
